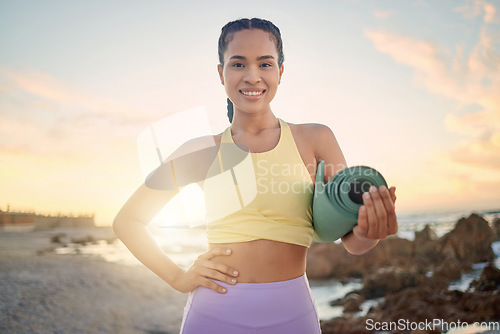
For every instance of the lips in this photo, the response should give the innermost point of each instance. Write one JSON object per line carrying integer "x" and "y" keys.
{"x": 252, "y": 92}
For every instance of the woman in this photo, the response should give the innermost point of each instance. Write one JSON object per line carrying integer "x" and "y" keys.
{"x": 252, "y": 277}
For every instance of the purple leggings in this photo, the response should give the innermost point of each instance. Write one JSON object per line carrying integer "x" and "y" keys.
{"x": 285, "y": 307}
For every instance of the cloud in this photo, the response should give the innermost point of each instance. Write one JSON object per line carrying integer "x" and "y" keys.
{"x": 383, "y": 14}
{"x": 424, "y": 56}
{"x": 470, "y": 80}
{"x": 482, "y": 152}
{"x": 421, "y": 3}
{"x": 44, "y": 116}
{"x": 72, "y": 150}
{"x": 43, "y": 87}
{"x": 478, "y": 7}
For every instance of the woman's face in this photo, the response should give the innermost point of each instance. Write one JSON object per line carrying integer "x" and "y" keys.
{"x": 251, "y": 74}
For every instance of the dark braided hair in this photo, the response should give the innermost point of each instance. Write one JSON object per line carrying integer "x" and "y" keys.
{"x": 242, "y": 24}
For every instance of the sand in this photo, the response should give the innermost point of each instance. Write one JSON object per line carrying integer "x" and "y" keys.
{"x": 43, "y": 292}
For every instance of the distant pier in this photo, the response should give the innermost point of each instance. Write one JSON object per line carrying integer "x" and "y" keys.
{"x": 30, "y": 221}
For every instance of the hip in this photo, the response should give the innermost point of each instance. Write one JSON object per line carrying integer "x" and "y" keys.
{"x": 274, "y": 307}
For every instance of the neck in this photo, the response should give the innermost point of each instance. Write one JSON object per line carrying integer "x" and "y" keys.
{"x": 254, "y": 122}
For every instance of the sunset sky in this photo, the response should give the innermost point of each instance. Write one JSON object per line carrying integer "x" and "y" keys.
{"x": 411, "y": 88}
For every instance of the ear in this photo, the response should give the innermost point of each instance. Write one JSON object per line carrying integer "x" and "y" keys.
{"x": 282, "y": 68}
{"x": 220, "y": 70}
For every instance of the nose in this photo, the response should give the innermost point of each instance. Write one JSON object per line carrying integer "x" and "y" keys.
{"x": 252, "y": 75}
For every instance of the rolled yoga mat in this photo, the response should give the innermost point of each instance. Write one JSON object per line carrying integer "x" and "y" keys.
{"x": 336, "y": 204}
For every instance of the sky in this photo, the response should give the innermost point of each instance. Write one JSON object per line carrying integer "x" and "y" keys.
{"x": 411, "y": 88}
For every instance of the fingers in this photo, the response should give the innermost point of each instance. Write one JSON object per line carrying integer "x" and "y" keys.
{"x": 208, "y": 270}
{"x": 380, "y": 213}
{"x": 372, "y": 231}
{"x": 392, "y": 221}
{"x": 217, "y": 275}
{"x": 215, "y": 251}
{"x": 362, "y": 228}
{"x": 380, "y": 209}
{"x": 393, "y": 194}
{"x": 217, "y": 270}
{"x": 212, "y": 285}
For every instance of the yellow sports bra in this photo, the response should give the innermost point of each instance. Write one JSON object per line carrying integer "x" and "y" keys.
{"x": 265, "y": 195}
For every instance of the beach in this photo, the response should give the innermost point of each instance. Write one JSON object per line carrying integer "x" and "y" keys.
{"x": 82, "y": 280}
{"x": 43, "y": 292}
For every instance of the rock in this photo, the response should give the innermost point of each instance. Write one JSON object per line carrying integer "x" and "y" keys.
{"x": 333, "y": 261}
{"x": 480, "y": 306}
{"x": 425, "y": 248}
{"x": 319, "y": 264}
{"x": 424, "y": 302}
{"x": 337, "y": 302}
{"x": 344, "y": 325}
{"x": 389, "y": 280}
{"x": 56, "y": 238}
{"x": 88, "y": 239}
{"x": 425, "y": 236}
{"x": 110, "y": 241}
{"x": 496, "y": 227}
{"x": 436, "y": 284}
{"x": 449, "y": 269}
{"x": 352, "y": 303}
{"x": 427, "y": 331}
{"x": 397, "y": 270}
{"x": 489, "y": 279}
{"x": 470, "y": 241}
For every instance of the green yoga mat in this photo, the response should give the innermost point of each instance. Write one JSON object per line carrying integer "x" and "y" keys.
{"x": 336, "y": 203}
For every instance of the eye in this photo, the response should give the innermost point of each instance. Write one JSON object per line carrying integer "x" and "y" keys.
{"x": 266, "y": 65}
{"x": 237, "y": 65}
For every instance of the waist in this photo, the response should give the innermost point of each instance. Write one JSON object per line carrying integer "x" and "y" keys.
{"x": 238, "y": 228}
{"x": 263, "y": 261}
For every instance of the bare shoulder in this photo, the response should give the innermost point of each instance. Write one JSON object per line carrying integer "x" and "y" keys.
{"x": 312, "y": 132}
{"x": 320, "y": 140}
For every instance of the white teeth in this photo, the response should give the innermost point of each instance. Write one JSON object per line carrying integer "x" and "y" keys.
{"x": 252, "y": 93}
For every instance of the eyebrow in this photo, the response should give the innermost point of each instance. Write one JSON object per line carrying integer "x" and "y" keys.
{"x": 258, "y": 58}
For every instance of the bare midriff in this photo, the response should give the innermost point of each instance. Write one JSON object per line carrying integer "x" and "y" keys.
{"x": 262, "y": 260}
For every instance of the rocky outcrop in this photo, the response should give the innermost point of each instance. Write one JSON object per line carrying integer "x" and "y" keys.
{"x": 496, "y": 227}
{"x": 469, "y": 242}
{"x": 413, "y": 277}
{"x": 390, "y": 280}
{"x": 449, "y": 269}
{"x": 489, "y": 280}
{"x": 425, "y": 236}
{"x": 352, "y": 302}
{"x": 333, "y": 261}
{"x": 427, "y": 301}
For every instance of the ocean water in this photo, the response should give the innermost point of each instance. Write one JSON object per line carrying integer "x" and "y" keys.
{"x": 184, "y": 245}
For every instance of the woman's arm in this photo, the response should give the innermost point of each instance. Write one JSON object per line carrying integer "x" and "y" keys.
{"x": 377, "y": 216}
{"x": 130, "y": 225}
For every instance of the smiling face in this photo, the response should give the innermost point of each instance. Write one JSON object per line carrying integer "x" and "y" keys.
{"x": 251, "y": 73}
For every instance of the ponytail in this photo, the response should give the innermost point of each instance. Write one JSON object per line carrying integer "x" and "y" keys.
{"x": 230, "y": 110}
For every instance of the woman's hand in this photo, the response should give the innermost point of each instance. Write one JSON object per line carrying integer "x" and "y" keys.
{"x": 377, "y": 217}
{"x": 203, "y": 270}
{"x": 376, "y": 220}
